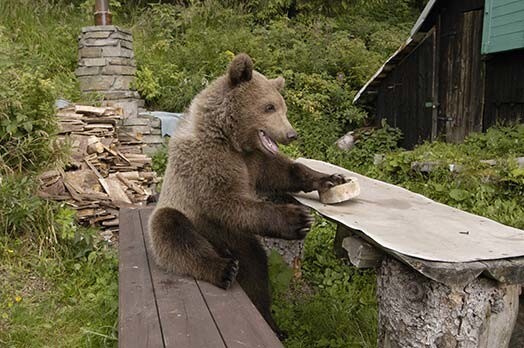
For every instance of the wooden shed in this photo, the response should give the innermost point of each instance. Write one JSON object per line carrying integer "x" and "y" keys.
{"x": 460, "y": 71}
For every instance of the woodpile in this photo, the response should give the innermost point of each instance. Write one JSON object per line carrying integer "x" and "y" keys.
{"x": 106, "y": 172}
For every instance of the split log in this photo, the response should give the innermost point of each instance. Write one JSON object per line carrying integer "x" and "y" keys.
{"x": 417, "y": 312}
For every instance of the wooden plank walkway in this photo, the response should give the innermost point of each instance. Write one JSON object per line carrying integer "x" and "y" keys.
{"x": 161, "y": 309}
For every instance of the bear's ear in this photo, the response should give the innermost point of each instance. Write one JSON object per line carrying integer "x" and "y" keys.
{"x": 279, "y": 82}
{"x": 240, "y": 70}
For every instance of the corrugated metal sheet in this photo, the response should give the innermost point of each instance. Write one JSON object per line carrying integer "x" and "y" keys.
{"x": 503, "y": 25}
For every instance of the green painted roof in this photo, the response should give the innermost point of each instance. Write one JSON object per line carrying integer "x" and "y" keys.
{"x": 503, "y": 25}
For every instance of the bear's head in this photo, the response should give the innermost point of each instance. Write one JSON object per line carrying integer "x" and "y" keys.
{"x": 256, "y": 108}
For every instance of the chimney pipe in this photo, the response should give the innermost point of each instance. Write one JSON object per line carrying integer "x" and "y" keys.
{"x": 102, "y": 14}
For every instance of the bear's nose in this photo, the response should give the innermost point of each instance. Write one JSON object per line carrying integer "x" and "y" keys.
{"x": 292, "y": 135}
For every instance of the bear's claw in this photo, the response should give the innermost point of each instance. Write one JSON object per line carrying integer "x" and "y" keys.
{"x": 299, "y": 221}
{"x": 229, "y": 274}
{"x": 330, "y": 181}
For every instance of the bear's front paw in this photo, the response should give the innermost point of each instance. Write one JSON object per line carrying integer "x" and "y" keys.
{"x": 330, "y": 181}
{"x": 227, "y": 274}
{"x": 298, "y": 221}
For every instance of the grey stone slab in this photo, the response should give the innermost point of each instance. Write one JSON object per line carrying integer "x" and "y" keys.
{"x": 87, "y": 70}
{"x": 156, "y": 123}
{"x": 90, "y": 52}
{"x": 95, "y": 83}
{"x": 119, "y": 70}
{"x": 122, "y": 82}
{"x": 92, "y": 62}
{"x": 127, "y": 44}
{"x": 137, "y": 121}
{"x": 122, "y": 36}
{"x": 100, "y": 42}
{"x": 152, "y": 139}
{"x": 121, "y": 61}
{"x": 156, "y": 131}
{"x": 117, "y": 52}
{"x": 144, "y": 129}
{"x": 129, "y": 106}
{"x": 124, "y": 31}
{"x": 96, "y": 35}
{"x": 99, "y": 28}
{"x": 125, "y": 94}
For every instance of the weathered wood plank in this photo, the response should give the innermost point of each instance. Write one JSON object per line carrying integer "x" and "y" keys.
{"x": 239, "y": 322}
{"x": 186, "y": 320}
{"x": 139, "y": 324}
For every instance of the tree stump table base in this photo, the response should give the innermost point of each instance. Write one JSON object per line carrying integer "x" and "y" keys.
{"x": 417, "y": 312}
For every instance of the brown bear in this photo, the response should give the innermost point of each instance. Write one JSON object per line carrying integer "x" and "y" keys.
{"x": 221, "y": 163}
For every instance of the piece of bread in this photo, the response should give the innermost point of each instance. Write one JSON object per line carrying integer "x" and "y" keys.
{"x": 340, "y": 193}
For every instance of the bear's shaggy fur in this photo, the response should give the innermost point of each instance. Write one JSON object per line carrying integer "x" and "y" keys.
{"x": 221, "y": 162}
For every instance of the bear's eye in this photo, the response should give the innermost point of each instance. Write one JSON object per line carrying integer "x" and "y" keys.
{"x": 270, "y": 108}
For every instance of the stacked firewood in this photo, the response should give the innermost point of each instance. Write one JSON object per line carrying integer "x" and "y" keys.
{"x": 105, "y": 172}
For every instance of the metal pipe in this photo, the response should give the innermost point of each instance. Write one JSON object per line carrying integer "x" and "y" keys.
{"x": 102, "y": 14}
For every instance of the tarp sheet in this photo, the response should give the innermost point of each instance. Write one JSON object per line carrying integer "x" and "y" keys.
{"x": 413, "y": 225}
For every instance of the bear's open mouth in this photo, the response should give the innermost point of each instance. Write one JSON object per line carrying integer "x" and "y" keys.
{"x": 267, "y": 142}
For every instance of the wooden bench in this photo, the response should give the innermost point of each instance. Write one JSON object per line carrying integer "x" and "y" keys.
{"x": 445, "y": 278}
{"x": 160, "y": 309}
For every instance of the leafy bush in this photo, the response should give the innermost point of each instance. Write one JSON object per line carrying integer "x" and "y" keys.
{"x": 58, "y": 280}
{"x": 332, "y": 305}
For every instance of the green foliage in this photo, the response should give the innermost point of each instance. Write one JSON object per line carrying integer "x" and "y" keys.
{"x": 27, "y": 122}
{"x": 159, "y": 160}
{"x": 495, "y": 191}
{"x": 324, "y": 59}
{"x": 333, "y": 305}
{"x": 71, "y": 301}
{"x": 370, "y": 143}
{"x": 58, "y": 280}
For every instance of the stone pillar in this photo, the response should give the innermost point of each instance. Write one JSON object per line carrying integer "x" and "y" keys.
{"x": 106, "y": 66}
{"x": 106, "y": 63}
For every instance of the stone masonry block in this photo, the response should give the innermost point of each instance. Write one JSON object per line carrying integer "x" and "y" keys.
{"x": 126, "y": 44}
{"x": 92, "y": 62}
{"x": 121, "y": 36}
{"x": 95, "y": 83}
{"x": 87, "y": 70}
{"x": 122, "y": 82}
{"x": 144, "y": 130}
{"x": 99, "y": 42}
{"x": 156, "y": 131}
{"x": 136, "y": 121}
{"x": 90, "y": 52}
{"x": 96, "y": 35}
{"x": 99, "y": 28}
{"x": 152, "y": 139}
{"x": 114, "y": 95}
{"x": 155, "y": 123}
{"x": 129, "y": 106}
{"x": 124, "y": 31}
{"x": 121, "y": 61}
{"x": 118, "y": 70}
{"x": 117, "y": 52}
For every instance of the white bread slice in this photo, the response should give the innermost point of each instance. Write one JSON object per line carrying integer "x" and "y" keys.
{"x": 340, "y": 193}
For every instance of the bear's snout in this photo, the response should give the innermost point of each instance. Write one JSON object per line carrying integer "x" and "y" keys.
{"x": 292, "y": 136}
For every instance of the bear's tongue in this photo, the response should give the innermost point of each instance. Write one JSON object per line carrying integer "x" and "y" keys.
{"x": 268, "y": 143}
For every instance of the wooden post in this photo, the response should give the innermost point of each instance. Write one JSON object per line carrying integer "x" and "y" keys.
{"x": 417, "y": 312}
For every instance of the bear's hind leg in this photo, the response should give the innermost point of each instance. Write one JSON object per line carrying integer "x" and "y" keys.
{"x": 177, "y": 246}
{"x": 254, "y": 279}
